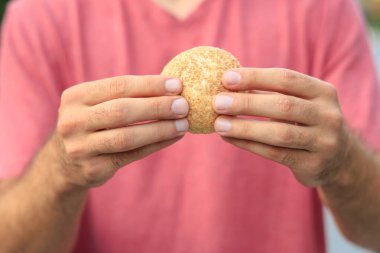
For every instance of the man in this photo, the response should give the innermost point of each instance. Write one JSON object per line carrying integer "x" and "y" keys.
{"x": 65, "y": 95}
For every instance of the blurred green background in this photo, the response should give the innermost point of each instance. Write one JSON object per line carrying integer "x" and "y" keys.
{"x": 2, "y": 7}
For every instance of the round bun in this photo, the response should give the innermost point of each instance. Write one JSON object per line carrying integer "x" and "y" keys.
{"x": 201, "y": 70}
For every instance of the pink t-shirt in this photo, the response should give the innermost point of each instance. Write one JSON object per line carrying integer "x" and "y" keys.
{"x": 201, "y": 194}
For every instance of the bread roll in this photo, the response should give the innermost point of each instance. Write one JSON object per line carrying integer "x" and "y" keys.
{"x": 201, "y": 70}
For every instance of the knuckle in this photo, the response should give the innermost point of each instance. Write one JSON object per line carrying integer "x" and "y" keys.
{"x": 115, "y": 110}
{"x": 310, "y": 112}
{"x": 94, "y": 146}
{"x": 117, "y": 86}
{"x": 334, "y": 118}
{"x": 330, "y": 90}
{"x": 124, "y": 140}
{"x": 329, "y": 143}
{"x": 287, "y": 76}
{"x": 149, "y": 82}
{"x": 244, "y": 128}
{"x": 156, "y": 108}
{"x": 75, "y": 150}
{"x": 92, "y": 175}
{"x": 90, "y": 170}
{"x": 275, "y": 154}
{"x": 66, "y": 95}
{"x": 286, "y": 105}
{"x": 250, "y": 75}
{"x": 97, "y": 147}
{"x": 73, "y": 94}
{"x": 63, "y": 129}
{"x": 66, "y": 125}
{"x": 121, "y": 141}
{"x": 286, "y": 136}
{"x": 98, "y": 112}
{"x": 247, "y": 103}
{"x": 316, "y": 165}
{"x": 306, "y": 140}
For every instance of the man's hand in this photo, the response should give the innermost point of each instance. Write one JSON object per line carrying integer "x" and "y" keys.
{"x": 102, "y": 126}
{"x": 306, "y": 130}
{"x": 106, "y": 124}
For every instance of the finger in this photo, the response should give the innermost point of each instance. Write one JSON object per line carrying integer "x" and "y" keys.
{"x": 136, "y": 136}
{"x": 275, "y": 106}
{"x": 274, "y": 79}
{"x": 123, "y": 111}
{"x": 105, "y": 166}
{"x": 285, "y": 156}
{"x": 271, "y": 133}
{"x": 92, "y": 93}
{"x": 121, "y": 159}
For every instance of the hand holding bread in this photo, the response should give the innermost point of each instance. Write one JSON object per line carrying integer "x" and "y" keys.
{"x": 106, "y": 124}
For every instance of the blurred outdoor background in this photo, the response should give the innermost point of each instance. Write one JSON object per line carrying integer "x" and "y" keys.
{"x": 371, "y": 8}
{"x": 2, "y": 7}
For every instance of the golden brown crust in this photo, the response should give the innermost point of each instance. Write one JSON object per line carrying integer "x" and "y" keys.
{"x": 201, "y": 70}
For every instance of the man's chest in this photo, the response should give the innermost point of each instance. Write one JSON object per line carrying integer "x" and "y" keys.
{"x": 134, "y": 39}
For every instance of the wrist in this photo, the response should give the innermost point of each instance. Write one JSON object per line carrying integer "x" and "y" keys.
{"x": 49, "y": 167}
{"x": 342, "y": 173}
{"x": 355, "y": 167}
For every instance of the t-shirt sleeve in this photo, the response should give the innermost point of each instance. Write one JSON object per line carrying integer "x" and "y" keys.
{"x": 343, "y": 58}
{"x": 29, "y": 84}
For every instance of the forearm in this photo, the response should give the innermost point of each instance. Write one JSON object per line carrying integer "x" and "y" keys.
{"x": 36, "y": 214}
{"x": 354, "y": 197}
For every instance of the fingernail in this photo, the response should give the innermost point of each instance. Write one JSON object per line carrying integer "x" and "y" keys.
{"x": 181, "y": 125}
{"x": 232, "y": 77}
{"x": 180, "y": 106}
{"x": 223, "y": 102}
{"x": 222, "y": 125}
{"x": 173, "y": 85}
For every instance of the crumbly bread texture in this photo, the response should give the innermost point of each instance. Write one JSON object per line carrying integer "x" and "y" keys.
{"x": 201, "y": 70}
